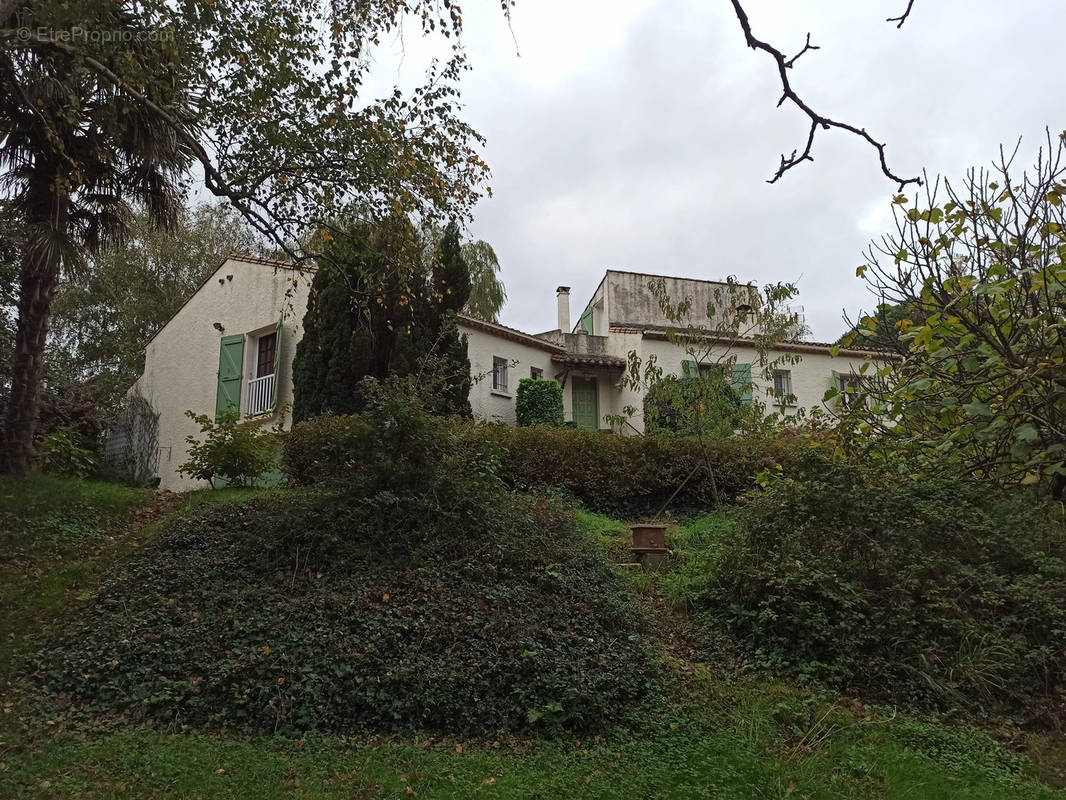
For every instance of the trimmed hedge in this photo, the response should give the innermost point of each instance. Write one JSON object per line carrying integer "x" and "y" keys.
{"x": 612, "y": 474}
{"x": 539, "y": 402}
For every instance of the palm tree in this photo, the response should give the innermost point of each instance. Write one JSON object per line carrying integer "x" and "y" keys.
{"x": 76, "y": 153}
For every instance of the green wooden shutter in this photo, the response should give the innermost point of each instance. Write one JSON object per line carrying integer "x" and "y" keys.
{"x": 586, "y": 321}
{"x": 230, "y": 374}
{"x": 836, "y": 382}
{"x": 277, "y": 365}
{"x": 741, "y": 382}
{"x": 690, "y": 369}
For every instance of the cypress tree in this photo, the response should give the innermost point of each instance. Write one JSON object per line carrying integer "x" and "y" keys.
{"x": 374, "y": 311}
{"x": 322, "y": 374}
{"x": 451, "y": 282}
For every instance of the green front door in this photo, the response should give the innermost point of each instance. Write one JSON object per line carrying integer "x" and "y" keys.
{"x": 586, "y": 403}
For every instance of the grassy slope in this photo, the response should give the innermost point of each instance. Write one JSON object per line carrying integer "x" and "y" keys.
{"x": 56, "y": 537}
{"x": 720, "y": 737}
{"x": 59, "y": 536}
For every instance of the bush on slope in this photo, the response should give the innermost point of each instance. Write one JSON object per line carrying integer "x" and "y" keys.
{"x": 418, "y": 597}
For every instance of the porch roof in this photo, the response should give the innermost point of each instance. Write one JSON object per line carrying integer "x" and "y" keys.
{"x": 589, "y": 361}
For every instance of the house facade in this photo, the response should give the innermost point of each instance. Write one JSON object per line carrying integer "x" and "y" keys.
{"x": 233, "y": 342}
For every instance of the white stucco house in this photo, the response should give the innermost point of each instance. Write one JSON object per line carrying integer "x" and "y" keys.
{"x": 232, "y": 345}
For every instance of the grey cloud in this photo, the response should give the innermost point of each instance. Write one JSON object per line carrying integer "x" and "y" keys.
{"x": 652, "y": 154}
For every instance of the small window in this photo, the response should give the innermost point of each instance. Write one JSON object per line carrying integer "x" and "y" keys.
{"x": 783, "y": 387}
{"x": 536, "y": 373}
{"x": 265, "y": 359}
{"x": 850, "y": 386}
{"x": 499, "y": 374}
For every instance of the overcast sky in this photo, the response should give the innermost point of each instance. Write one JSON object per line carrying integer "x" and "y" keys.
{"x": 639, "y": 135}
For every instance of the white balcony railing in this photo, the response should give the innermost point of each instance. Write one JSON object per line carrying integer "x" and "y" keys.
{"x": 261, "y": 395}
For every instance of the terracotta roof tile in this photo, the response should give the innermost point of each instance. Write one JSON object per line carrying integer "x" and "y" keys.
{"x": 582, "y": 359}
{"x": 507, "y": 332}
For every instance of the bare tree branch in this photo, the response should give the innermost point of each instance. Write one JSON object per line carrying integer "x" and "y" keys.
{"x": 817, "y": 120}
{"x": 902, "y": 17}
{"x": 806, "y": 47}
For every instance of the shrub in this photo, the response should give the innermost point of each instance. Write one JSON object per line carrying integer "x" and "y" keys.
{"x": 236, "y": 452}
{"x": 691, "y": 406}
{"x": 420, "y": 596}
{"x": 61, "y": 453}
{"x": 612, "y": 474}
{"x": 938, "y": 592}
{"x": 539, "y": 402}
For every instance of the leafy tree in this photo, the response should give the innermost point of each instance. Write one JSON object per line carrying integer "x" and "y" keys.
{"x": 884, "y": 335}
{"x": 981, "y": 387}
{"x": 380, "y": 310}
{"x": 264, "y": 97}
{"x": 104, "y": 316}
{"x": 675, "y": 406}
{"x": 487, "y": 294}
{"x": 323, "y": 377}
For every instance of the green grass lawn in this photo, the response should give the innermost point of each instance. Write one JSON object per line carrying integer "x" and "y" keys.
{"x": 872, "y": 758}
{"x": 721, "y": 734}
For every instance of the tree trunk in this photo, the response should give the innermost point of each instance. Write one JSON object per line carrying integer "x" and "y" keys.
{"x": 45, "y": 220}
{"x": 37, "y": 284}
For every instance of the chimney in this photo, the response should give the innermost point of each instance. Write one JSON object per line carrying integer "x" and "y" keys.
{"x": 562, "y": 294}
